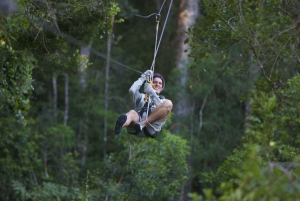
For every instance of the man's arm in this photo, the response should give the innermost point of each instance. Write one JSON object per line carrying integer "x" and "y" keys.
{"x": 136, "y": 96}
{"x": 155, "y": 98}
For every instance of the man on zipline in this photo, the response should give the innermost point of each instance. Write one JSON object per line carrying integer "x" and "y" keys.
{"x": 141, "y": 121}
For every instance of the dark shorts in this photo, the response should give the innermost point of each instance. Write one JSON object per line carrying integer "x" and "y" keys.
{"x": 148, "y": 131}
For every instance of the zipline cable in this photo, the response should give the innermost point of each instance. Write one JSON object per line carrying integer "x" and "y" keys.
{"x": 156, "y": 46}
{"x": 152, "y": 13}
{"x": 73, "y": 40}
{"x": 144, "y": 16}
{"x": 164, "y": 26}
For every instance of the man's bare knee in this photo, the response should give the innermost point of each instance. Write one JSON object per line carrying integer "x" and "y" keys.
{"x": 168, "y": 104}
{"x": 131, "y": 112}
{"x": 132, "y": 118}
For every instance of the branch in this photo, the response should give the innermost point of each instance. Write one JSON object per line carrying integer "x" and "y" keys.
{"x": 296, "y": 54}
{"x": 45, "y": 44}
{"x": 120, "y": 180}
{"x": 200, "y": 112}
{"x": 260, "y": 64}
{"x": 277, "y": 59}
{"x": 287, "y": 30}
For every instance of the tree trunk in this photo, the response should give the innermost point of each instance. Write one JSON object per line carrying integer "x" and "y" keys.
{"x": 54, "y": 85}
{"x": 45, "y": 158}
{"x": 201, "y": 112}
{"x": 82, "y": 146}
{"x": 66, "y": 99}
{"x": 189, "y": 11}
{"x": 85, "y": 53}
{"x": 106, "y": 89}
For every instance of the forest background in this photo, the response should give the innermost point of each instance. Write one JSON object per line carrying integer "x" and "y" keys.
{"x": 231, "y": 70}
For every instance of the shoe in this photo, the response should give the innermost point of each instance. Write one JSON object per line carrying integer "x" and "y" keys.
{"x": 119, "y": 123}
{"x": 138, "y": 127}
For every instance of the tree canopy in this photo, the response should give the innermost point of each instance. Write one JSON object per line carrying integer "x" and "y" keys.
{"x": 64, "y": 80}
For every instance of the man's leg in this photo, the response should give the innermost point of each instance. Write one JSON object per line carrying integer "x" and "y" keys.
{"x": 131, "y": 118}
{"x": 160, "y": 113}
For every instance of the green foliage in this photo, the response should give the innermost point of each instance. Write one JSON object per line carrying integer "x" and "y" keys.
{"x": 47, "y": 160}
{"x": 255, "y": 40}
{"x": 61, "y": 137}
{"x": 264, "y": 29}
{"x": 39, "y": 167}
{"x": 19, "y": 157}
{"x": 216, "y": 125}
{"x": 44, "y": 36}
{"x": 260, "y": 180}
{"x": 228, "y": 170}
{"x": 16, "y": 80}
{"x": 273, "y": 149}
{"x": 273, "y": 119}
{"x": 47, "y": 191}
{"x": 154, "y": 170}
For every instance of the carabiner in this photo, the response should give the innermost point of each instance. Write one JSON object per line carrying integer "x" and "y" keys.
{"x": 157, "y": 18}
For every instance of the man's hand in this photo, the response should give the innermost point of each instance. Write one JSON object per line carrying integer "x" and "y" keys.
{"x": 149, "y": 89}
{"x": 152, "y": 92}
{"x": 147, "y": 73}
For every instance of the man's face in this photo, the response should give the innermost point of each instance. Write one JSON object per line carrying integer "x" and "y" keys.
{"x": 158, "y": 84}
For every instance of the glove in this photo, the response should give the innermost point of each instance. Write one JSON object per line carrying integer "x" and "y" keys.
{"x": 154, "y": 97}
{"x": 146, "y": 73}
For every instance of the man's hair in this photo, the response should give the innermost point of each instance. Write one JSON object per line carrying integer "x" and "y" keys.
{"x": 161, "y": 77}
